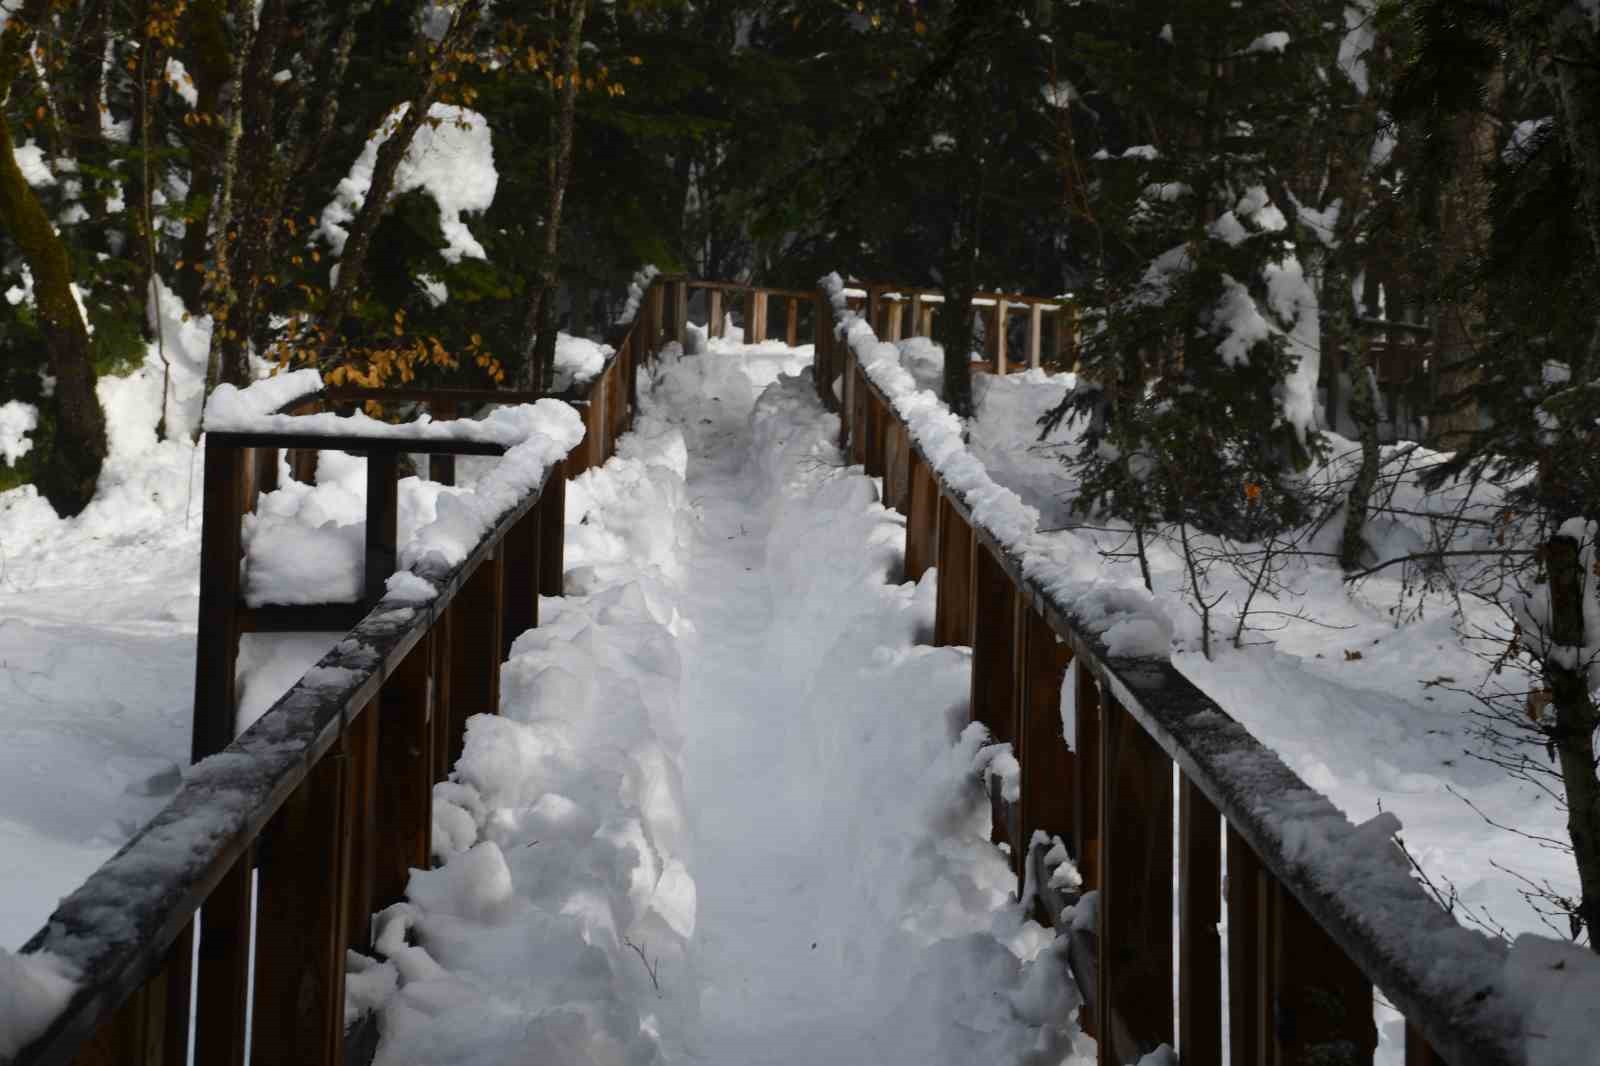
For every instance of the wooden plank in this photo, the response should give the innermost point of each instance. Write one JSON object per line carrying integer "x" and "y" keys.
{"x": 999, "y": 346}
{"x": 1049, "y": 772}
{"x": 875, "y": 421}
{"x": 993, "y": 693}
{"x": 361, "y": 799}
{"x": 1086, "y": 788}
{"x": 405, "y": 785}
{"x": 1035, "y": 328}
{"x": 217, "y": 638}
{"x": 952, "y": 619}
{"x": 1199, "y": 910}
{"x": 443, "y": 720}
{"x": 383, "y": 520}
{"x": 552, "y": 511}
{"x": 993, "y": 678}
{"x": 1245, "y": 987}
{"x": 916, "y": 326}
{"x": 354, "y": 444}
{"x": 1136, "y": 949}
{"x": 896, "y": 312}
{"x": 680, "y": 314}
{"x": 1323, "y": 1004}
{"x": 222, "y": 992}
{"x": 442, "y": 468}
{"x": 897, "y": 475}
{"x": 179, "y": 977}
{"x": 756, "y": 316}
{"x": 475, "y": 668}
{"x": 520, "y": 606}
{"x": 301, "y": 617}
{"x": 791, "y": 322}
{"x": 300, "y": 923}
{"x": 922, "y": 518}
{"x": 714, "y": 321}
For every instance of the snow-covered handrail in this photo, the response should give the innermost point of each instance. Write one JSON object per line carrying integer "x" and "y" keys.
{"x": 1333, "y": 900}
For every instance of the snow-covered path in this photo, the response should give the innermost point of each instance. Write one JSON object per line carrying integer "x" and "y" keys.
{"x": 730, "y": 812}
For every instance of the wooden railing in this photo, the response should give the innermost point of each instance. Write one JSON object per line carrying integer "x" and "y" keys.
{"x": 312, "y": 818}
{"x": 1307, "y": 940}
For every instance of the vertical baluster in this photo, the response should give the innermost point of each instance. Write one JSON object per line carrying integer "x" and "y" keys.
{"x": 217, "y": 641}
{"x": 442, "y": 468}
{"x": 922, "y": 518}
{"x": 791, "y": 323}
{"x": 1199, "y": 909}
{"x": 361, "y": 796}
{"x": 300, "y": 921}
{"x": 475, "y": 672}
{"x": 383, "y": 517}
{"x": 1000, "y": 310}
{"x": 552, "y": 510}
{"x": 1086, "y": 794}
{"x": 1136, "y": 949}
{"x": 405, "y": 785}
{"x": 222, "y": 1004}
{"x": 1322, "y": 1003}
{"x": 993, "y": 678}
{"x": 714, "y": 312}
{"x": 680, "y": 313}
{"x": 521, "y": 602}
{"x": 1246, "y": 989}
{"x": 953, "y": 604}
{"x": 1035, "y": 328}
{"x": 1049, "y": 770}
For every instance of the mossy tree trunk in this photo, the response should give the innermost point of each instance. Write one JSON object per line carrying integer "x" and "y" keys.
{"x": 68, "y": 474}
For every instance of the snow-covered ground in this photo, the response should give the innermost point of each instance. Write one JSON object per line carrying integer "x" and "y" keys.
{"x": 729, "y": 813}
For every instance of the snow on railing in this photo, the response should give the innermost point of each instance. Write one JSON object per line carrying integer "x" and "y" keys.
{"x": 1319, "y": 909}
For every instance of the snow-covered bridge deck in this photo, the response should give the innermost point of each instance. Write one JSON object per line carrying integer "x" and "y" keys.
{"x": 740, "y": 800}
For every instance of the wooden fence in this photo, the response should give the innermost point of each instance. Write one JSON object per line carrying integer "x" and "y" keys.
{"x": 312, "y": 818}
{"x": 1302, "y": 959}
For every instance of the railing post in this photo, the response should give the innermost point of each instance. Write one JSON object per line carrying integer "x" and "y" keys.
{"x": 217, "y": 643}
{"x": 475, "y": 671}
{"x": 1049, "y": 770}
{"x": 791, "y": 323}
{"x": 405, "y": 786}
{"x": 1248, "y": 1011}
{"x": 361, "y": 784}
{"x": 680, "y": 313}
{"x": 1199, "y": 910}
{"x": 994, "y": 681}
{"x": 1322, "y": 1005}
{"x": 1000, "y": 308}
{"x": 300, "y": 915}
{"x": 922, "y": 519}
{"x": 521, "y": 607}
{"x": 1086, "y": 742}
{"x": 442, "y": 468}
{"x": 952, "y": 619}
{"x": 222, "y": 1001}
{"x": 383, "y": 510}
{"x": 1136, "y": 955}
{"x": 1035, "y": 328}
{"x": 896, "y": 313}
{"x": 755, "y": 316}
{"x": 552, "y": 510}
{"x": 714, "y": 312}
{"x": 916, "y": 315}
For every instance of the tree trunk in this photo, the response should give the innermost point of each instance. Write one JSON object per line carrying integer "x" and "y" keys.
{"x": 353, "y": 262}
{"x": 1576, "y": 719}
{"x": 222, "y": 364}
{"x": 69, "y": 472}
{"x": 955, "y": 336}
{"x": 1463, "y": 238}
{"x": 539, "y": 329}
{"x": 207, "y": 142}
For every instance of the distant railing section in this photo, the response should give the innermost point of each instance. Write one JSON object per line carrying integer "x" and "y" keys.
{"x": 311, "y": 819}
{"x": 1302, "y": 958}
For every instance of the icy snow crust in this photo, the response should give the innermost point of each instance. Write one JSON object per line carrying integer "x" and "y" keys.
{"x": 728, "y": 813}
{"x": 1335, "y": 867}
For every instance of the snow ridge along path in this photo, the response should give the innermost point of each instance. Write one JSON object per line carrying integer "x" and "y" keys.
{"x": 731, "y": 811}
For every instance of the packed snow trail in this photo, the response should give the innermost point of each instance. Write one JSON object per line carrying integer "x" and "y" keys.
{"x": 731, "y": 811}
